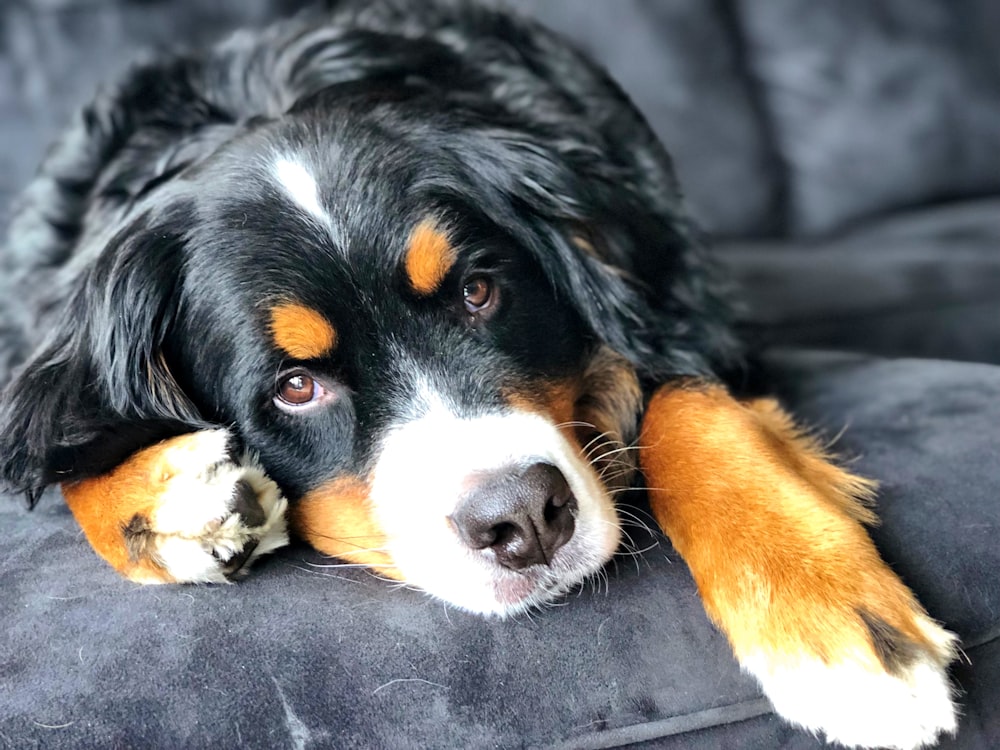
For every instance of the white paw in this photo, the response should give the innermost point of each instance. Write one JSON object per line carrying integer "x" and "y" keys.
{"x": 214, "y": 515}
{"x": 856, "y": 702}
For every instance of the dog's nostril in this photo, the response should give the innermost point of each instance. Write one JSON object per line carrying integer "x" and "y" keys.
{"x": 557, "y": 506}
{"x": 502, "y": 534}
{"x": 523, "y": 516}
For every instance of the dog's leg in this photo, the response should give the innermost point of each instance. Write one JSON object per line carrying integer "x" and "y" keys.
{"x": 772, "y": 532}
{"x": 184, "y": 510}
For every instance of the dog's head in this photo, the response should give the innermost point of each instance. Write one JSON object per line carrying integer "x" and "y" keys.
{"x": 428, "y": 315}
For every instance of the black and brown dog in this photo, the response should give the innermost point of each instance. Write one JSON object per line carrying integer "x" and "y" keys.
{"x": 413, "y": 282}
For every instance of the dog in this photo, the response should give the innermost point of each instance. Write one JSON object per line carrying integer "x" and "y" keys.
{"x": 414, "y": 283}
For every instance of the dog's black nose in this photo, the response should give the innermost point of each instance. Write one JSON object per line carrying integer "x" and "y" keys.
{"x": 523, "y": 515}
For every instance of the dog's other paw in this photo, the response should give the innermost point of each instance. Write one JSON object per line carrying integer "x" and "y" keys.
{"x": 879, "y": 688}
{"x": 187, "y": 510}
{"x": 773, "y": 532}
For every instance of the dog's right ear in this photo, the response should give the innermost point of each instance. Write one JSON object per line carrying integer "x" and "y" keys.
{"x": 100, "y": 386}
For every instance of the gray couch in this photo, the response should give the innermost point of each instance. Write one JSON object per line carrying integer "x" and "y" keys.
{"x": 846, "y": 157}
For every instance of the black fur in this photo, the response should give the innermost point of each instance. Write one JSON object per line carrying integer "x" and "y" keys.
{"x": 142, "y": 251}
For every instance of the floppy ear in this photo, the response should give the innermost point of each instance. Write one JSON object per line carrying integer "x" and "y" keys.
{"x": 100, "y": 386}
{"x": 646, "y": 289}
{"x": 135, "y": 134}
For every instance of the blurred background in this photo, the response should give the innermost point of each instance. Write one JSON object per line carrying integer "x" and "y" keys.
{"x": 844, "y": 157}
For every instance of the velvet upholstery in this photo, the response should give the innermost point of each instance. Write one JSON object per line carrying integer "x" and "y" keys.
{"x": 878, "y": 105}
{"x": 306, "y": 655}
{"x": 924, "y": 282}
{"x": 680, "y": 61}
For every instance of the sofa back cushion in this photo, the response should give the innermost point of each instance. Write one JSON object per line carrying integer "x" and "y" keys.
{"x": 878, "y": 104}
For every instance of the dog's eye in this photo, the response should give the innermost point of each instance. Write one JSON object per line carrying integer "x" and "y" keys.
{"x": 479, "y": 293}
{"x": 297, "y": 390}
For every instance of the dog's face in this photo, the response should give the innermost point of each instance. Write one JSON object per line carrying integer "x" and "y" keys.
{"x": 401, "y": 310}
{"x": 401, "y": 362}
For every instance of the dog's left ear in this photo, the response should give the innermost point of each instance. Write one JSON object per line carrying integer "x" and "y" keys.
{"x": 100, "y": 387}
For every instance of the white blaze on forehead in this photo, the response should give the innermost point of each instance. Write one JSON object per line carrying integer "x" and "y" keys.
{"x": 300, "y": 186}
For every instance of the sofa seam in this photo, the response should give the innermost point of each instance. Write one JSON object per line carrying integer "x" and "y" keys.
{"x": 717, "y": 716}
{"x": 671, "y": 726}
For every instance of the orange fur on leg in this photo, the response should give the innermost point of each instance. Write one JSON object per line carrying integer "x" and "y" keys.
{"x": 772, "y": 532}
{"x": 107, "y": 507}
{"x": 768, "y": 525}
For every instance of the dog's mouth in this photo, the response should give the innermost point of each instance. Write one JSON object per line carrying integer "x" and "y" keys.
{"x": 515, "y": 591}
{"x": 523, "y": 590}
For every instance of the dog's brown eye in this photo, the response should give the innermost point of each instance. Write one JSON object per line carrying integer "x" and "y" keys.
{"x": 478, "y": 293}
{"x": 298, "y": 390}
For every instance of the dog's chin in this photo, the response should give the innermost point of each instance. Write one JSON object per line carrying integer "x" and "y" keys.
{"x": 486, "y": 588}
{"x": 514, "y": 593}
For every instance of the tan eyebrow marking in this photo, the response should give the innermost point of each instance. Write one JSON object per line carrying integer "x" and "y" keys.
{"x": 429, "y": 257}
{"x": 301, "y": 332}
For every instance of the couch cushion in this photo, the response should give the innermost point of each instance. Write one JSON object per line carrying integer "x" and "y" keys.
{"x": 924, "y": 283}
{"x": 878, "y": 104}
{"x": 305, "y": 654}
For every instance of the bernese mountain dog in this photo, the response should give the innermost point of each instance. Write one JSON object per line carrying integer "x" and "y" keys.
{"x": 413, "y": 282}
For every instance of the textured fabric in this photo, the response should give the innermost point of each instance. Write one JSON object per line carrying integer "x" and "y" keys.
{"x": 923, "y": 283}
{"x": 306, "y": 655}
{"x": 55, "y": 53}
{"x": 878, "y": 104}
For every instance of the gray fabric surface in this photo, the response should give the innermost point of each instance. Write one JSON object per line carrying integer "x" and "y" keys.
{"x": 878, "y": 104}
{"x": 302, "y": 655}
{"x": 921, "y": 283}
{"x": 55, "y": 53}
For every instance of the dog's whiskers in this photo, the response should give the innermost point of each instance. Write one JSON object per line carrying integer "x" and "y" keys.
{"x": 562, "y": 425}
{"x": 597, "y": 442}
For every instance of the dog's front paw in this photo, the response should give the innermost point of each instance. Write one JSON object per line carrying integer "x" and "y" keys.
{"x": 215, "y": 513}
{"x": 869, "y": 677}
{"x": 187, "y": 510}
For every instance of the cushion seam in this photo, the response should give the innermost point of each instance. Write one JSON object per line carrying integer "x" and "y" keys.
{"x": 680, "y": 724}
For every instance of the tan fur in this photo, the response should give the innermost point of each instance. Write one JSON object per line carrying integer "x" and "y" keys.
{"x": 770, "y": 527}
{"x": 553, "y": 399}
{"x": 301, "y": 332}
{"x": 607, "y": 409}
{"x": 107, "y": 505}
{"x": 598, "y": 411}
{"x": 337, "y": 520}
{"x": 429, "y": 257}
